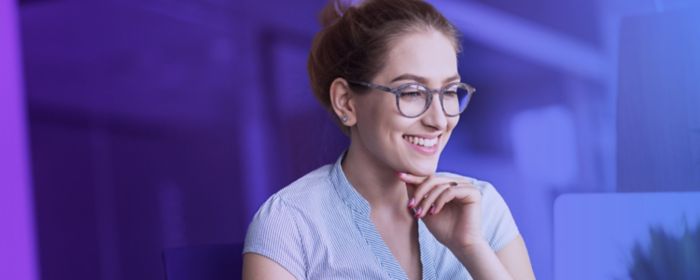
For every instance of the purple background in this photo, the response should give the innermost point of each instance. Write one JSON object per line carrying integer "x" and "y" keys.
{"x": 17, "y": 239}
{"x": 156, "y": 124}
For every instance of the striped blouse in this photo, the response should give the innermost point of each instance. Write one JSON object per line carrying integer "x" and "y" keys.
{"x": 319, "y": 227}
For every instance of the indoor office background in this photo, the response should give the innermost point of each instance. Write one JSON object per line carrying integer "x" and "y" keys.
{"x": 130, "y": 127}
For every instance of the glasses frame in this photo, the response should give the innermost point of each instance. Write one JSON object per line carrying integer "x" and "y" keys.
{"x": 396, "y": 91}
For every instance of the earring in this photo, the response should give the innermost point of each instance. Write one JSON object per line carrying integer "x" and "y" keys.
{"x": 344, "y": 118}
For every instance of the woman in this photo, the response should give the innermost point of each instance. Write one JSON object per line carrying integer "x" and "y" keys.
{"x": 387, "y": 69}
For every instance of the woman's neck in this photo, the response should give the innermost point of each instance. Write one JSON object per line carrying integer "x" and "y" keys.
{"x": 378, "y": 183}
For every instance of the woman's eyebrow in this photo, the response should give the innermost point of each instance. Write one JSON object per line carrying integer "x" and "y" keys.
{"x": 422, "y": 80}
{"x": 456, "y": 77}
{"x": 410, "y": 77}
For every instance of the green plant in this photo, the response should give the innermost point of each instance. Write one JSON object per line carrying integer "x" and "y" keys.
{"x": 667, "y": 256}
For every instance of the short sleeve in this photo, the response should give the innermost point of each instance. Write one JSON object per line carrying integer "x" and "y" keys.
{"x": 273, "y": 233}
{"x": 498, "y": 225}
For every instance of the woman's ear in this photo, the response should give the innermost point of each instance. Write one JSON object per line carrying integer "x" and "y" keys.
{"x": 343, "y": 102}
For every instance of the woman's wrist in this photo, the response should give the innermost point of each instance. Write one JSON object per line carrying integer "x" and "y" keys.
{"x": 471, "y": 246}
{"x": 480, "y": 260}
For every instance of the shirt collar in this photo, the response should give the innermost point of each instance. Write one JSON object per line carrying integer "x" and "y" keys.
{"x": 345, "y": 190}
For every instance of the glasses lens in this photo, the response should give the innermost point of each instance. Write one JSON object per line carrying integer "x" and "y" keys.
{"x": 456, "y": 99}
{"x": 412, "y": 100}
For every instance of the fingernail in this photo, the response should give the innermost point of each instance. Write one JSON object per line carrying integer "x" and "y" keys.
{"x": 399, "y": 174}
{"x": 418, "y": 211}
{"x": 411, "y": 202}
{"x": 432, "y": 209}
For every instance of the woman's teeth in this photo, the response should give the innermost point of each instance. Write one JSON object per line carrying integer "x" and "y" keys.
{"x": 425, "y": 142}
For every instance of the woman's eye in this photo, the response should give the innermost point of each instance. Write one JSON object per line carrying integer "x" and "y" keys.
{"x": 411, "y": 94}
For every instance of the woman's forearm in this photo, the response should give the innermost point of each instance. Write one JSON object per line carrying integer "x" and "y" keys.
{"x": 481, "y": 261}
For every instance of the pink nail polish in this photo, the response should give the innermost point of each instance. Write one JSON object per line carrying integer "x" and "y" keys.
{"x": 418, "y": 212}
{"x": 411, "y": 202}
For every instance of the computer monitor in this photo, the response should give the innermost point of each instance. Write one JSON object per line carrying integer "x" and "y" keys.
{"x": 595, "y": 234}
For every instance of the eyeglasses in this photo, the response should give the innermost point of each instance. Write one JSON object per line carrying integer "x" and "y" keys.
{"x": 413, "y": 99}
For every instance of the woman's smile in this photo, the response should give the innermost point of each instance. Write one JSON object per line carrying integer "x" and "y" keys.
{"x": 424, "y": 144}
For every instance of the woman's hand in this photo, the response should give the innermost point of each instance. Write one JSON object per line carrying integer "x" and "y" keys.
{"x": 450, "y": 207}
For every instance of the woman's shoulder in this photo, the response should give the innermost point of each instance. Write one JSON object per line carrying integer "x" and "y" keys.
{"x": 280, "y": 228}
{"x": 303, "y": 192}
{"x": 310, "y": 183}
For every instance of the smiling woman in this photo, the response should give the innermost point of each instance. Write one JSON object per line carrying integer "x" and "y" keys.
{"x": 387, "y": 71}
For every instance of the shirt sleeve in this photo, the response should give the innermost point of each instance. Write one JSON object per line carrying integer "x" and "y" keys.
{"x": 498, "y": 225}
{"x": 273, "y": 233}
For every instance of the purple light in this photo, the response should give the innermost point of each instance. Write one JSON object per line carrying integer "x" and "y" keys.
{"x": 17, "y": 236}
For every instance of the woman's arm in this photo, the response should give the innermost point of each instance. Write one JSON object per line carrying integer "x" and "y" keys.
{"x": 481, "y": 261}
{"x": 257, "y": 267}
{"x": 511, "y": 262}
{"x": 516, "y": 260}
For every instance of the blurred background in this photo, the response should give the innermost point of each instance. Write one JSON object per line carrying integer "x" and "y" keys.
{"x": 129, "y": 127}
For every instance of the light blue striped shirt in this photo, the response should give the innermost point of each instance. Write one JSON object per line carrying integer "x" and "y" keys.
{"x": 319, "y": 227}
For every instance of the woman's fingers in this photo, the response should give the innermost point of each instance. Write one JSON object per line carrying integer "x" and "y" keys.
{"x": 411, "y": 179}
{"x": 426, "y": 204}
{"x": 424, "y": 191}
{"x": 442, "y": 199}
{"x": 431, "y": 196}
{"x": 465, "y": 193}
{"x": 411, "y": 182}
{"x": 427, "y": 185}
{"x": 428, "y": 195}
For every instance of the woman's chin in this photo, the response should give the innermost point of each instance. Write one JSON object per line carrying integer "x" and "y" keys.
{"x": 422, "y": 170}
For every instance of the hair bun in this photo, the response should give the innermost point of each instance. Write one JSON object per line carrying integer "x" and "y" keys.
{"x": 334, "y": 11}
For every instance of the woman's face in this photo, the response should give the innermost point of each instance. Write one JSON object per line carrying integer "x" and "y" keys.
{"x": 411, "y": 145}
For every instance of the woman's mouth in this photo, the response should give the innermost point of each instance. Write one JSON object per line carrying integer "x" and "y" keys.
{"x": 427, "y": 145}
